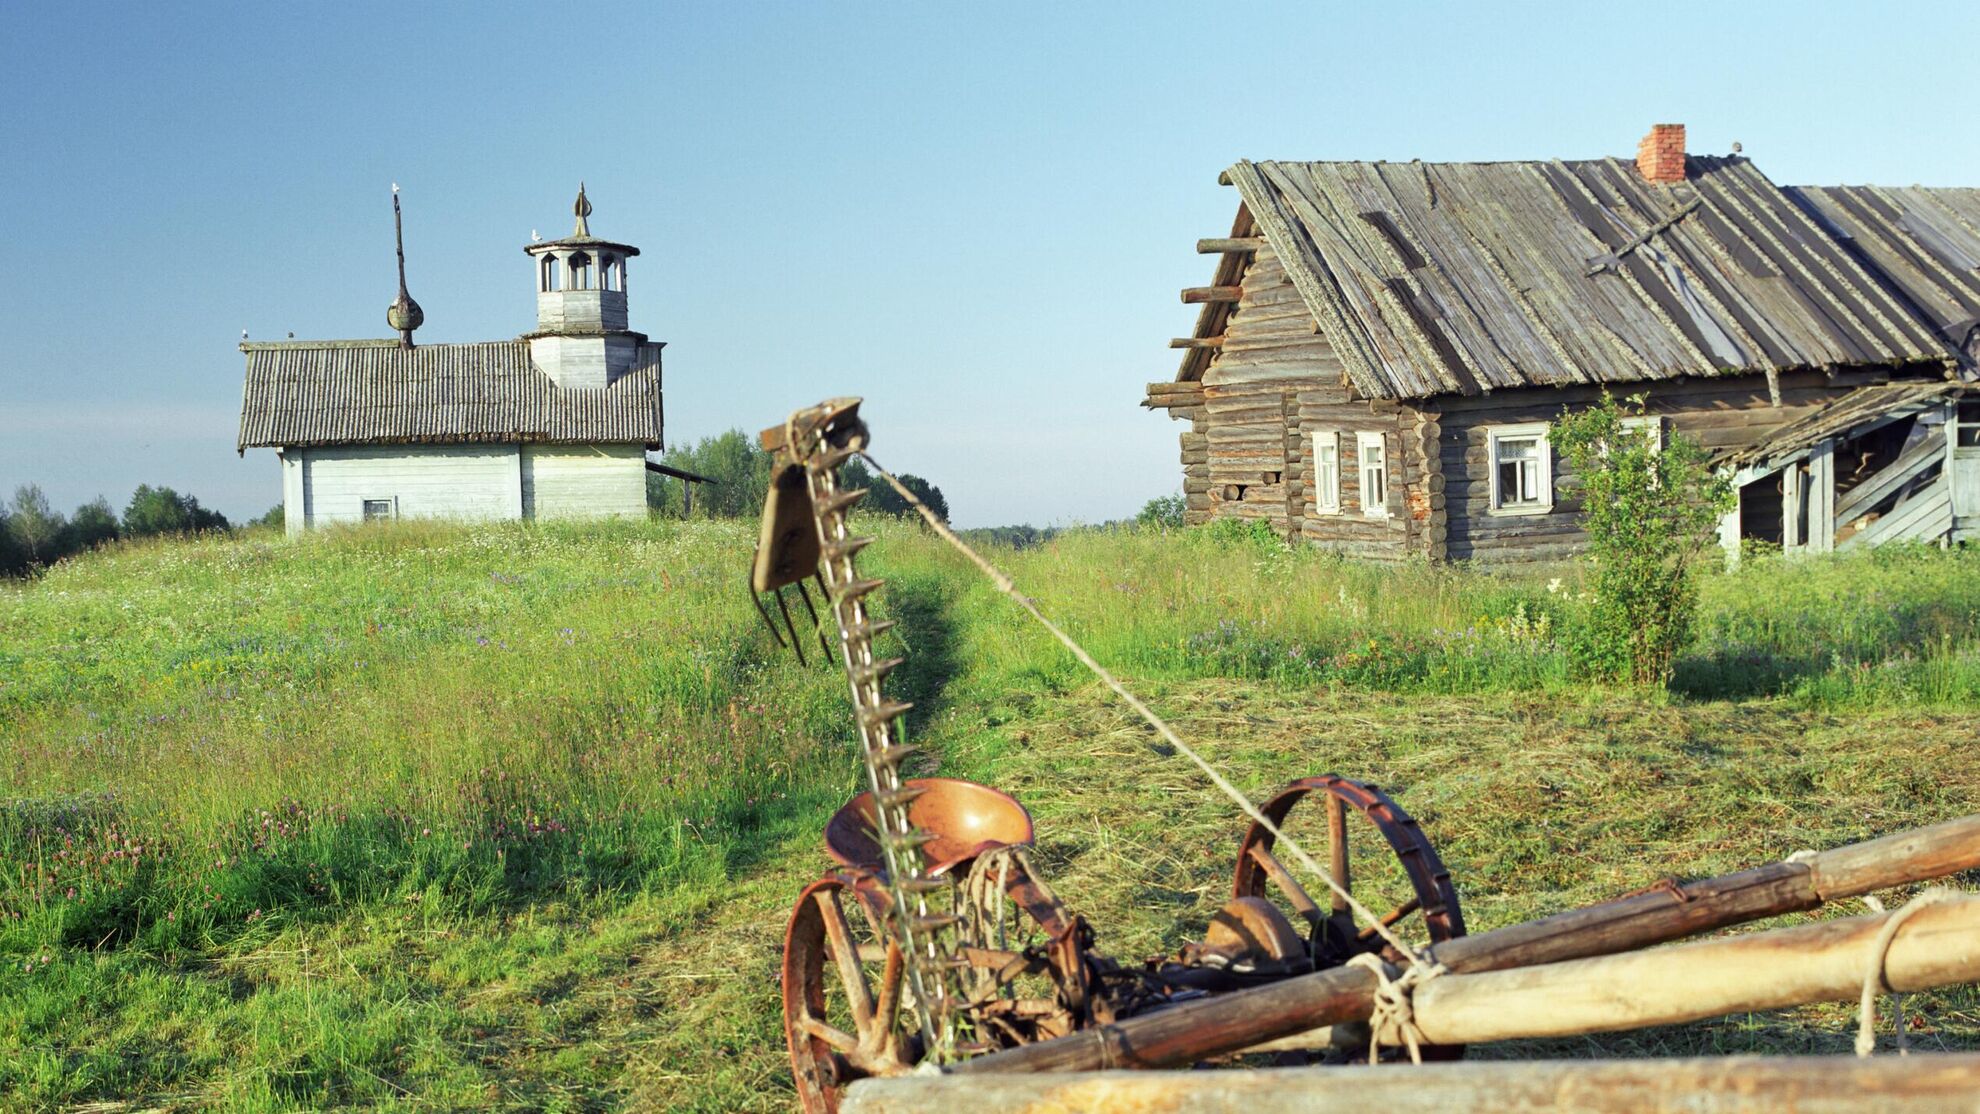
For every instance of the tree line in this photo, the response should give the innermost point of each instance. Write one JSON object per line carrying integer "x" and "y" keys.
{"x": 33, "y": 534}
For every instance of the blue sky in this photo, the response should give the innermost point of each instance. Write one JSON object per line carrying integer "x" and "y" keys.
{"x": 978, "y": 216}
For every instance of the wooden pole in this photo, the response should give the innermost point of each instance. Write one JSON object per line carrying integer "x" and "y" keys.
{"x": 1805, "y": 1084}
{"x": 1197, "y": 342}
{"x": 1229, "y": 1022}
{"x": 1938, "y": 945}
{"x": 1229, "y": 244}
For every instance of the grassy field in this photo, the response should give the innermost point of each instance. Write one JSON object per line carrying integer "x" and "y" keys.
{"x": 436, "y": 817}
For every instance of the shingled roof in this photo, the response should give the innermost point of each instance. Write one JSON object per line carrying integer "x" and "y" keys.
{"x": 1924, "y": 240}
{"x": 1435, "y": 278}
{"x": 370, "y": 392}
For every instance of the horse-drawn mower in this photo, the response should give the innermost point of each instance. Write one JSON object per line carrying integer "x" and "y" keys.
{"x": 934, "y": 944}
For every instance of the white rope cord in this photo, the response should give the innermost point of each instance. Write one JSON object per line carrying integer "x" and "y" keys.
{"x": 1873, "y": 976}
{"x": 1394, "y": 1019}
{"x": 1419, "y": 968}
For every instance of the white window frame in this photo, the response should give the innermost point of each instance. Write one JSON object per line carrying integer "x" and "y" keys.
{"x": 391, "y": 514}
{"x": 1522, "y": 432}
{"x": 1651, "y": 422}
{"x": 1362, "y": 441}
{"x": 1327, "y": 472}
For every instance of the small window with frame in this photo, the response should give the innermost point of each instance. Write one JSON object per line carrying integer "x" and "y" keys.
{"x": 381, "y": 510}
{"x": 1327, "y": 472}
{"x": 1372, "y": 457}
{"x": 1522, "y": 477}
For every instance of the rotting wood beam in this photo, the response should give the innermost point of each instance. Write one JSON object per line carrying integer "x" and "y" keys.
{"x": 1229, "y": 244}
{"x": 1702, "y": 1085}
{"x": 1199, "y": 295}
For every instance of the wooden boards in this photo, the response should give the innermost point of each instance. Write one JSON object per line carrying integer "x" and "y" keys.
{"x": 1804, "y": 1084}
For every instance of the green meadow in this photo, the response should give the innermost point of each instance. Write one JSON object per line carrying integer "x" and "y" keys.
{"x": 439, "y": 817}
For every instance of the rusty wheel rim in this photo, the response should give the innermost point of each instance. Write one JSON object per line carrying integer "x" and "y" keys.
{"x": 841, "y": 989}
{"x": 1334, "y": 936}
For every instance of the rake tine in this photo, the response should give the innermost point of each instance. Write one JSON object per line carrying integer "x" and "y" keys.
{"x": 767, "y": 620}
{"x": 796, "y": 647}
{"x": 817, "y": 625}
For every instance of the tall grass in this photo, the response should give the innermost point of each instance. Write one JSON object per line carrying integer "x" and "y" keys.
{"x": 217, "y": 751}
{"x": 202, "y": 737}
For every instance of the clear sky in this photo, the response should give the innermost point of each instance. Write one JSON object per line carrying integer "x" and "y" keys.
{"x": 976, "y": 216}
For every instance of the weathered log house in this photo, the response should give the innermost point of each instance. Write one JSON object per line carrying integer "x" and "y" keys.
{"x": 1384, "y": 345}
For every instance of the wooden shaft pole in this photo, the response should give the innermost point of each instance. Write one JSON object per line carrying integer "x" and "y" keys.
{"x": 1228, "y": 1022}
{"x": 1706, "y": 1085}
{"x": 1826, "y": 962}
{"x": 1196, "y": 342}
{"x": 1223, "y": 244}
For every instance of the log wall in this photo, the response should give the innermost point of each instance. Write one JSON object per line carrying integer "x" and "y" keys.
{"x": 1719, "y": 414}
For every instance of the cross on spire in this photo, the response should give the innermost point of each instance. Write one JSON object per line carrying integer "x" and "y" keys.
{"x": 583, "y": 210}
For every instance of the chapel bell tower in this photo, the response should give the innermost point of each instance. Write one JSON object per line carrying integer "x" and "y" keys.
{"x": 581, "y": 338}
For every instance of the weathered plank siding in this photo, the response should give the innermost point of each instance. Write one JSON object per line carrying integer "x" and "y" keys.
{"x": 468, "y": 482}
{"x": 583, "y": 481}
{"x": 1719, "y": 414}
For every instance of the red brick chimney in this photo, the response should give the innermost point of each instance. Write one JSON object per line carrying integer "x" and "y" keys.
{"x": 1660, "y": 155}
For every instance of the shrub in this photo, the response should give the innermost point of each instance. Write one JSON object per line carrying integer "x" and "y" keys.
{"x": 1648, "y": 510}
{"x": 94, "y": 523}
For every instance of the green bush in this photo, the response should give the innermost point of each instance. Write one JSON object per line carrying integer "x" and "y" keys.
{"x": 1648, "y": 510}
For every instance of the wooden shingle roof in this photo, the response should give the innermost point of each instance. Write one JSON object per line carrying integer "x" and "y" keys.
{"x": 1436, "y": 278}
{"x": 370, "y": 392}
{"x": 1924, "y": 240}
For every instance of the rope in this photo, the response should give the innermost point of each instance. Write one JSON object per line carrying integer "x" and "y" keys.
{"x": 1394, "y": 1019}
{"x": 1418, "y": 966}
{"x": 1874, "y": 978}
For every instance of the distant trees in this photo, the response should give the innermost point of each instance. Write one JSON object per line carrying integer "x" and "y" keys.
{"x": 1164, "y": 512}
{"x": 35, "y": 526}
{"x": 33, "y": 534}
{"x": 885, "y": 500}
{"x": 160, "y": 510}
{"x": 740, "y": 471}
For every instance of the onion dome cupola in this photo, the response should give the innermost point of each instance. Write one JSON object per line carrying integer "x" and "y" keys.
{"x": 582, "y": 338}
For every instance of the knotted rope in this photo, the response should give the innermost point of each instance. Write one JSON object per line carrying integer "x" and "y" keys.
{"x": 1394, "y": 1019}
{"x": 1874, "y": 978}
{"x": 1419, "y": 970}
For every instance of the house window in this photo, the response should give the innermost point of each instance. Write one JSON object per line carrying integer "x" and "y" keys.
{"x": 550, "y": 276}
{"x": 580, "y": 271}
{"x": 1522, "y": 469}
{"x": 1652, "y": 429}
{"x": 1327, "y": 472}
{"x": 379, "y": 509}
{"x": 1373, "y": 454}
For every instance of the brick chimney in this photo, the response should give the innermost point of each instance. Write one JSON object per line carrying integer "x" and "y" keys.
{"x": 1660, "y": 155}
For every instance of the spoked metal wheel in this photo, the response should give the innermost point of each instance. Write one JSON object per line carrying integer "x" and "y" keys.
{"x": 843, "y": 1016}
{"x": 1370, "y": 847}
{"x": 1398, "y": 876}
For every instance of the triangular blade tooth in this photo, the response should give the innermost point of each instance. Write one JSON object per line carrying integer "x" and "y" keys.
{"x": 884, "y": 713}
{"x": 855, "y": 589}
{"x": 840, "y": 549}
{"x": 871, "y": 630}
{"x": 893, "y": 798}
{"x": 936, "y": 922}
{"x": 923, "y": 885}
{"x": 830, "y": 459}
{"x": 840, "y": 500}
{"x": 892, "y": 756}
{"x": 876, "y": 672}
